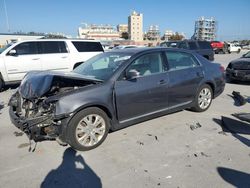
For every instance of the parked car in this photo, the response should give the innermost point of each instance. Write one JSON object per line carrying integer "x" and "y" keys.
{"x": 219, "y": 47}
{"x": 239, "y": 69}
{"x": 201, "y": 47}
{"x": 44, "y": 54}
{"x": 233, "y": 48}
{"x": 111, "y": 91}
{"x": 124, "y": 47}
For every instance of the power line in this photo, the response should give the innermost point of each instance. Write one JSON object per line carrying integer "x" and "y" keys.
{"x": 7, "y": 19}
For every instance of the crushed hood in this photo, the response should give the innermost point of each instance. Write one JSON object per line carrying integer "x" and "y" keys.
{"x": 39, "y": 83}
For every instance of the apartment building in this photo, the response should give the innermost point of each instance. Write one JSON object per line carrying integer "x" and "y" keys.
{"x": 135, "y": 26}
{"x": 205, "y": 29}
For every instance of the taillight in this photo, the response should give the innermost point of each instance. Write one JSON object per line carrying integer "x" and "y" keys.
{"x": 222, "y": 69}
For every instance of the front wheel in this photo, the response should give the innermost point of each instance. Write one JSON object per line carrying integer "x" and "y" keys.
{"x": 1, "y": 84}
{"x": 203, "y": 99}
{"x": 88, "y": 129}
{"x": 238, "y": 51}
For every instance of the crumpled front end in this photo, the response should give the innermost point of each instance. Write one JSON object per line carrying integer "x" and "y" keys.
{"x": 35, "y": 118}
{"x": 33, "y": 106}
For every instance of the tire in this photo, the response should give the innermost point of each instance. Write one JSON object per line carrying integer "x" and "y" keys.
{"x": 203, "y": 99}
{"x": 1, "y": 84}
{"x": 238, "y": 51}
{"x": 84, "y": 123}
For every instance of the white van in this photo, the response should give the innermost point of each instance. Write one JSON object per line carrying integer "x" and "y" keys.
{"x": 44, "y": 54}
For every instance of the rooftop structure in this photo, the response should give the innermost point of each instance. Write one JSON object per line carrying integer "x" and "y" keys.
{"x": 99, "y": 32}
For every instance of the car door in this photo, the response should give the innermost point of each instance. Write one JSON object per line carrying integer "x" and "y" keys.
{"x": 144, "y": 94}
{"x": 55, "y": 56}
{"x": 185, "y": 74}
{"x": 25, "y": 58}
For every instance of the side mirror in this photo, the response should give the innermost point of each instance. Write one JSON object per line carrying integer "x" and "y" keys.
{"x": 12, "y": 52}
{"x": 132, "y": 74}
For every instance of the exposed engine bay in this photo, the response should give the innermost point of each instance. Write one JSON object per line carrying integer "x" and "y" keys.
{"x": 32, "y": 107}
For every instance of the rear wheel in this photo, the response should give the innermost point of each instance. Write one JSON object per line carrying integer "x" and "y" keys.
{"x": 203, "y": 99}
{"x": 88, "y": 129}
{"x": 238, "y": 51}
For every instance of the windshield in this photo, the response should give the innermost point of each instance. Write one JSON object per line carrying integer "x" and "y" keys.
{"x": 102, "y": 66}
{"x": 4, "y": 48}
{"x": 247, "y": 55}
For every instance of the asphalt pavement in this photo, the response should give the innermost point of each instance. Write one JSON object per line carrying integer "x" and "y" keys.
{"x": 183, "y": 149}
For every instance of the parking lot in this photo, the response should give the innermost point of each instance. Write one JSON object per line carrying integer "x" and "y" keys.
{"x": 183, "y": 149}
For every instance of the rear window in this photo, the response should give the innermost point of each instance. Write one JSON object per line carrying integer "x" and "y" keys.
{"x": 192, "y": 45}
{"x": 49, "y": 47}
{"x": 88, "y": 46}
{"x": 204, "y": 45}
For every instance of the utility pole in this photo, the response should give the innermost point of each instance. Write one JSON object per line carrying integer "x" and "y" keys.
{"x": 7, "y": 19}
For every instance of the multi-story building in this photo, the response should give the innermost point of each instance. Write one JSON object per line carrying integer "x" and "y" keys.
{"x": 205, "y": 29}
{"x": 122, "y": 28}
{"x": 135, "y": 26}
{"x": 98, "y": 32}
{"x": 153, "y": 33}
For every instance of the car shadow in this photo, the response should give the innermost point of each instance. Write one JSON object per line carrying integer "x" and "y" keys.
{"x": 72, "y": 172}
{"x": 235, "y": 127}
{"x": 237, "y": 82}
{"x": 234, "y": 177}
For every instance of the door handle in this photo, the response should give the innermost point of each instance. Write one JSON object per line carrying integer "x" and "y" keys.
{"x": 200, "y": 74}
{"x": 63, "y": 57}
{"x": 35, "y": 59}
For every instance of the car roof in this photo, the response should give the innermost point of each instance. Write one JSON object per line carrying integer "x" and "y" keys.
{"x": 148, "y": 49}
{"x": 66, "y": 39}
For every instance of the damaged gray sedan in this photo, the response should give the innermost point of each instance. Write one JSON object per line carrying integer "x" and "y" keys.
{"x": 111, "y": 91}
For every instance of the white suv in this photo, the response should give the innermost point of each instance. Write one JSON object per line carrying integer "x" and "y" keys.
{"x": 233, "y": 48}
{"x": 44, "y": 54}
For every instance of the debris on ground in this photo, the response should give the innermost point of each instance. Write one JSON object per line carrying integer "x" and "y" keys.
{"x": 242, "y": 116}
{"x": 156, "y": 138}
{"x": 24, "y": 145}
{"x": 158, "y": 184}
{"x": 139, "y": 142}
{"x": 239, "y": 99}
{"x": 168, "y": 177}
{"x": 145, "y": 170}
{"x": 18, "y": 133}
{"x": 194, "y": 126}
{"x": 223, "y": 133}
{"x": 195, "y": 155}
{"x": 189, "y": 165}
{"x": 205, "y": 155}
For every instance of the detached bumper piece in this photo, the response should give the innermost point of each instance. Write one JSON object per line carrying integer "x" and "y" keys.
{"x": 37, "y": 128}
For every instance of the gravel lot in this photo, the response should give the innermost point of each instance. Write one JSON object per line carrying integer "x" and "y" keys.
{"x": 162, "y": 152}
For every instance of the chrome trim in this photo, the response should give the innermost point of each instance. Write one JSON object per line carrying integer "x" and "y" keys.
{"x": 154, "y": 112}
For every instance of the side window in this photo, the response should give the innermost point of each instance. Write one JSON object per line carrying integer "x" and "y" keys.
{"x": 192, "y": 45}
{"x": 183, "y": 45}
{"x": 148, "y": 64}
{"x": 180, "y": 60}
{"x": 204, "y": 45}
{"x": 48, "y": 47}
{"x": 26, "y": 48}
{"x": 88, "y": 46}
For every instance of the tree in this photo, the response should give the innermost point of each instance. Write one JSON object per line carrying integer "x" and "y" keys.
{"x": 176, "y": 36}
{"x": 125, "y": 35}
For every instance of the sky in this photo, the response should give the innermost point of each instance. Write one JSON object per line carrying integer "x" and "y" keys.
{"x": 65, "y": 16}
